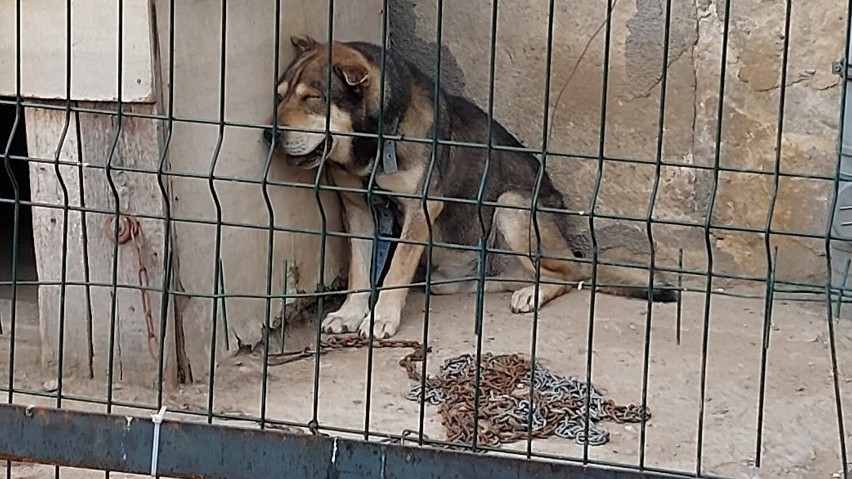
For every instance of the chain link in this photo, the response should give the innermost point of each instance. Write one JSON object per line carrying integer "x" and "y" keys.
{"x": 558, "y": 406}
{"x": 344, "y": 341}
{"x": 129, "y": 229}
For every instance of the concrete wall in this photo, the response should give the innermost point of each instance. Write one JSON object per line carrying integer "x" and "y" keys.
{"x": 94, "y": 37}
{"x": 238, "y": 153}
{"x": 749, "y": 120}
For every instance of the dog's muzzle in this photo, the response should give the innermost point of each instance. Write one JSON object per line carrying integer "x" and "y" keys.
{"x": 307, "y": 160}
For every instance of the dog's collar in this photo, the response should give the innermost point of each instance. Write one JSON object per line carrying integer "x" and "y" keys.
{"x": 389, "y": 159}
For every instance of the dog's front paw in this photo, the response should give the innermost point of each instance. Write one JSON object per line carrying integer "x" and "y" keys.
{"x": 523, "y": 300}
{"x": 344, "y": 320}
{"x": 384, "y": 326}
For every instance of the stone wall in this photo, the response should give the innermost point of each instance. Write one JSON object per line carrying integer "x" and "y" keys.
{"x": 750, "y": 117}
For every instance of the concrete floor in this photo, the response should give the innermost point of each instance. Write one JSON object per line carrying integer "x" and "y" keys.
{"x": 800, "y": 432}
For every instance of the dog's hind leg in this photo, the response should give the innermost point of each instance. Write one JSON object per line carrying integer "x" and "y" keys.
{"x": 519, "y": 233}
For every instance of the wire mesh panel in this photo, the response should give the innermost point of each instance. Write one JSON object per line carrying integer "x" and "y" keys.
{"x": 600, "y": 239}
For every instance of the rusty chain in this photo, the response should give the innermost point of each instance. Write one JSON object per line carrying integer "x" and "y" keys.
{"x": 129, "y": 229}
{"x": 558, "y": 403}
{"x": 344, "y": 341}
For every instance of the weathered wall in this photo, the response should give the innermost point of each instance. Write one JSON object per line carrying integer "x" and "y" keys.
{"x": 749, "y": 120}
{"x": 94, "y": 37}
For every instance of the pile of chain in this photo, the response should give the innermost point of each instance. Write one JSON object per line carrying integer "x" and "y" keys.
{"x": 558, "y": 403}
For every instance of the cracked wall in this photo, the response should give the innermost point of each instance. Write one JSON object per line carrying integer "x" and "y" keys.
{"x": 750, "y": 116}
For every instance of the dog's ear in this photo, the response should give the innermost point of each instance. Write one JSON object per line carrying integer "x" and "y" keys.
{"x": 353, "y": 72}
{"x": 303, "y": 43}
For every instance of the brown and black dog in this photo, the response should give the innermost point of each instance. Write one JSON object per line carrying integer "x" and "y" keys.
{"x": 452, "y": 171}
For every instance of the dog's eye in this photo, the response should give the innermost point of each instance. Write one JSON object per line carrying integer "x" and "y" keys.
{"x": 311, "y": 97}
{"x": 279, "y": 97}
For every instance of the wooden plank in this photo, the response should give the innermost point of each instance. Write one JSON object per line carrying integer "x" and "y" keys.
{"x": 87, "y": 185}
{"x": 94, "y": 49}
{"x": 52, "y": 235}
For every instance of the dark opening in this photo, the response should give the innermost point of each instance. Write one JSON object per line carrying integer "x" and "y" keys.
{"x": 20, "y": 176}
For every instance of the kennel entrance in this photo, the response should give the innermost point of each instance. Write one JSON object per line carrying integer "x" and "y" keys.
{"x": 14, "y": 175}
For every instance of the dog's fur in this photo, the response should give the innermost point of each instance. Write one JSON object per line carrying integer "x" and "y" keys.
{"x": 511, "y": 177}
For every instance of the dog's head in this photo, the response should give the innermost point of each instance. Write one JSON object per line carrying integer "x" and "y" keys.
{"x": 303, "y": 102}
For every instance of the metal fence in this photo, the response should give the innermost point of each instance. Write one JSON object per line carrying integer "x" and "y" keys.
{"x": 548, "y": 397}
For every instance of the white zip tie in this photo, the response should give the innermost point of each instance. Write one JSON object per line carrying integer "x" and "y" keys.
{"x": 157, "y": 419}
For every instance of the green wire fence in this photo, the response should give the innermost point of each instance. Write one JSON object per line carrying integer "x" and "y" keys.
{"x": 768, "y": 288}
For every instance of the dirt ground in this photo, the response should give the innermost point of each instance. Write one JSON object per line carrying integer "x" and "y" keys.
{"x": 801, "y": 426}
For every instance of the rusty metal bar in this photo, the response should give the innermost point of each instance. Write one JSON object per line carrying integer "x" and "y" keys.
{"x": 190, "y": 450}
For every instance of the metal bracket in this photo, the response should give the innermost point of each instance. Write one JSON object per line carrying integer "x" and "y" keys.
{"x": 389, "y": 159}
{"x": 389, "y": 163}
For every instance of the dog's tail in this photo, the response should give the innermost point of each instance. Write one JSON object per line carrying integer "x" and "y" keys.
{"x": 615, "y": 280}
{"x": 633, "y": 283}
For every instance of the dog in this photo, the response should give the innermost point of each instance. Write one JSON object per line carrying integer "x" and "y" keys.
{"x": 452, "y": 172}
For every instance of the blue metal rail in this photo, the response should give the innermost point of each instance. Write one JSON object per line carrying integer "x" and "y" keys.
{"x": 191, "y": 450}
